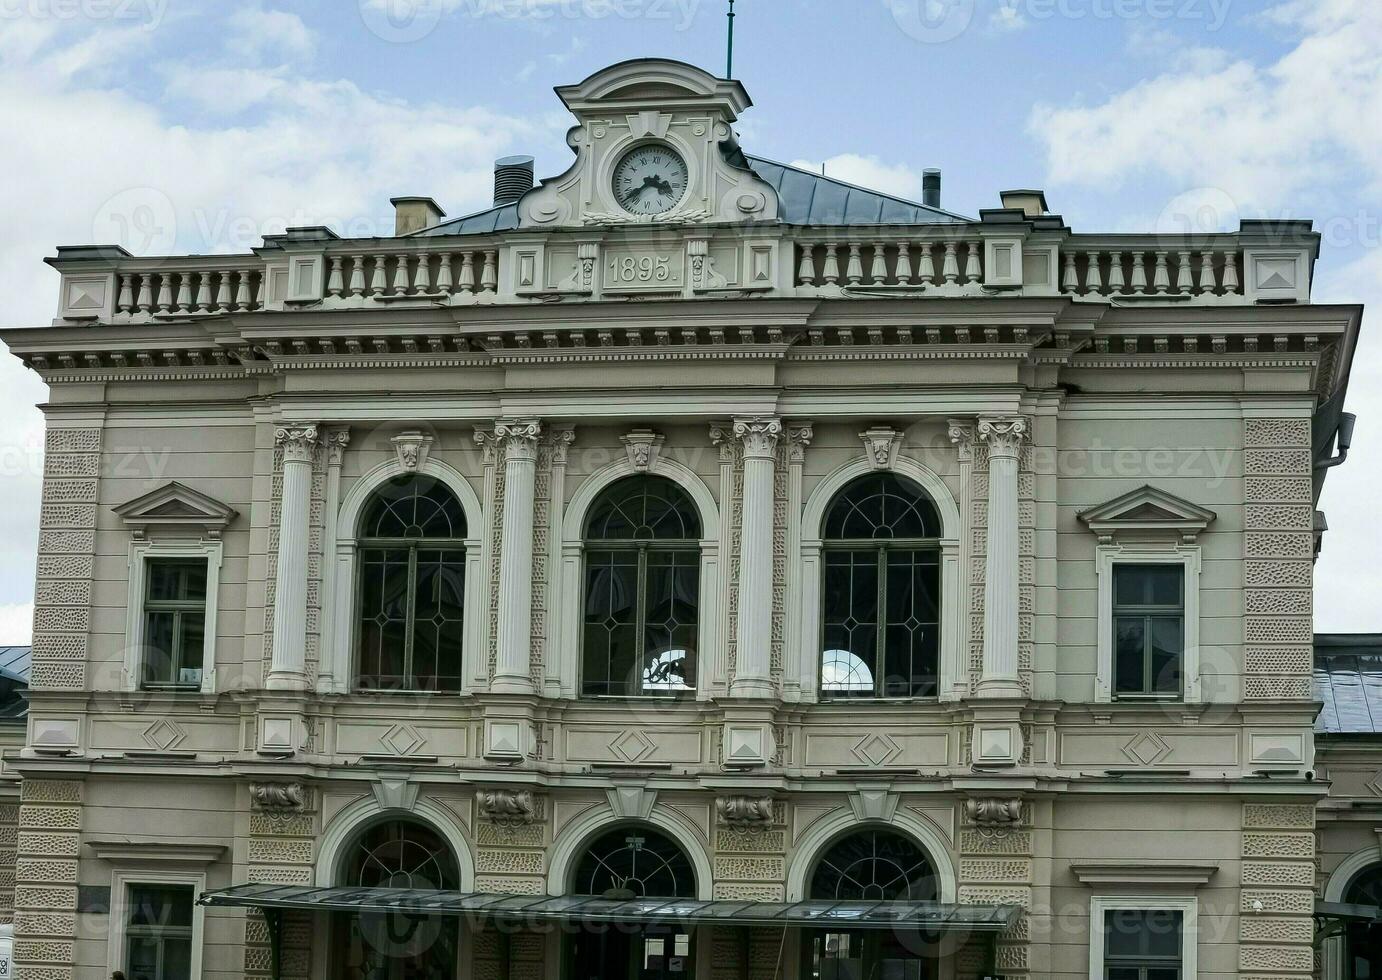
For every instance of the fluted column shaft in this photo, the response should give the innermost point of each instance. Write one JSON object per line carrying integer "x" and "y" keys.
{"x": 1004, "y": 437}
{"x": 512, "y": 668}
{"x": 753, "y": 667}
{"x": 288, "y": 667}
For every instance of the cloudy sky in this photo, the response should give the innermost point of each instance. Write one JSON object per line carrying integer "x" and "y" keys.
{"x": 198, "y": 126}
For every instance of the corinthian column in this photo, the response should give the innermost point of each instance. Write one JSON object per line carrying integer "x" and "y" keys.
{"x": 752, "y": 669}
{"x": 288, "y": 669}
{"x": 512, "y": 670}
{"x": 1004, "y": 438}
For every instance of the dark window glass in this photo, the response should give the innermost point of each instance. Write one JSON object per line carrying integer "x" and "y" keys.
{"x": 881, "y": 591}
{"x": 174, "y": 623}
{"x": 158, "y": 932}
{"x": 1143, "y": 944}
{"x": 642, "y": 591}
{"x": 1148, "y": 629}
{"x": 635, "y": 862}
{"x": 874, "y": 865}
{"x": 411, "y": 587}
{"x": 1364, "y": 943}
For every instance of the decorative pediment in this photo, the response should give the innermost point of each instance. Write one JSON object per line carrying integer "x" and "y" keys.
{"x": 176, "y": 506}
{"x": 1147, "y": 509}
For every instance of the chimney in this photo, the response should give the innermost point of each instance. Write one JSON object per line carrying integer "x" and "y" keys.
{"x": 931, "y": 188}
{"x": 1031, "y": 203}
{"x": 414, "y": 213}
{"x": 513, "y": 177}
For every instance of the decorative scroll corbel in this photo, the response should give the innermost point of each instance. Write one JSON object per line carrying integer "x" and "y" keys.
{"x": 994, "y": 815}
{"x": 507, "y": 807}
{"x": 745, "y": 812}
{"x": 278, "y": 796}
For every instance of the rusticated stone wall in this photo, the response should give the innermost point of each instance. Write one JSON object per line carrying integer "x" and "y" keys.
{"x": 1278, "y": 870}
{"x": 9, "y": 838}
{"x": 281, "y": 851}
{"x": 45, "y": 891}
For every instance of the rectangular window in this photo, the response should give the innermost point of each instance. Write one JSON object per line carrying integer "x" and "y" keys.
{"x": 174, "y": 623}
{"x": 1143, "y": 944}
{"x": 1148, "y": 630}
{"x": 158, "y": 932}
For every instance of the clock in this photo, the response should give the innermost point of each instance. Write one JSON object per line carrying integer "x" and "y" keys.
{"x": 650, "y": 179}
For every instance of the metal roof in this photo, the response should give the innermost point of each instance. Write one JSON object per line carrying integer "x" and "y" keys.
{"x": 14, "y": 679}
{"x": 804, "y": 198}
{"x": 930, "y": 916}
{"x": 1348, "y": 679}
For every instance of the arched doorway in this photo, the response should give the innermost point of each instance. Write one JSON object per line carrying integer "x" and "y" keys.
{"x": 396, "y": 945}
{"x": 633, "y": 862}
{"x": 872, "y": 865}
{"x": 1363, "y": 952}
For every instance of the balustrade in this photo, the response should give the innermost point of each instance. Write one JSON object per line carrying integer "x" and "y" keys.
{"x": 1182, "y": 272}
{"x": 956, "y": 265}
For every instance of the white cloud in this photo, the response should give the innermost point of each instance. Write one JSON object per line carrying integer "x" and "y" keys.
{"x": 16, "y": 624}
{"x": 264, "y": 34}
{"x": 1263, "y": 132}
{"x": 1008, "y": 17}
{"x": 869, "y": 172}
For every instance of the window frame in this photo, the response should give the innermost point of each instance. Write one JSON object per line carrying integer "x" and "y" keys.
{"x": 121, "y": 884}
{"x": 1187, "y": 906}
{"x": 142, "y": 552}
{"x": 1147, "y": 613}
{"x": 641, "y": 547}
{"x": 1107, "y": 558}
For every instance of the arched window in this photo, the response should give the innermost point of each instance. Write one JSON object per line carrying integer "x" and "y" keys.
{"x": 635, "y": 862}
{"x": 1364, "y": 956}
{"x": 881, "y": 597}
{"x": 396, "y": 945}
{"x": 412, "y": 587}
{"x": 642, "y": 590}
{"x": 874, "y": 866}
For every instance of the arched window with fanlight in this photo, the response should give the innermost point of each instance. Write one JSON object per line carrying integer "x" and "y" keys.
{"x": 1363, "y": 957}
{"x": 872, "y": 865}
{"x": 642, "y": 591}
{"x": 411, "y": 587}
{"x": 396, "y": 945}
{"x": 881, "y": 596}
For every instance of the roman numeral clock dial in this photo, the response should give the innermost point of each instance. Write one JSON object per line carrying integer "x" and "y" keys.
{"x": 650, "y": 180}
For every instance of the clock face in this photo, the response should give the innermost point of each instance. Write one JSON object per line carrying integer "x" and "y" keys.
{"x": 650, "y": 180}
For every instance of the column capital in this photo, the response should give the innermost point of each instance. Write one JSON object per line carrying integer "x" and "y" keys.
{"x": 757, "y": 434}
{"x": 519, "y": 437}
{"x": 1004, "y": 434}
{"x": 336, "y": 441}
{"x": 298, "y": 441}
{"x": 799, "y": 436}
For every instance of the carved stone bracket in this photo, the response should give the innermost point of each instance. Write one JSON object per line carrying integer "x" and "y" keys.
{"x": 278, "y": 796}
{"x": 508, "y": 807}
{"x": 881, "y": 443}
{"x": 643, "y": 446}
{"x": 412, "y": 449}
{"x": 994, "y": 813}
{"x": 745, "y": 812}
{"x": 631, "y": 802}
{"x": 874, "y": 803}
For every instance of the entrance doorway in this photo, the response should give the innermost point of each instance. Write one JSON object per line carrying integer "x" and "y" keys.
{"x": 630, "y": 863}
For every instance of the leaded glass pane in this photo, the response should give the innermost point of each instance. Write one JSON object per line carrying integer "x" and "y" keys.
{"x": 850, "y": 612}
{"x": 874, "y": 865}
{"x": 383, "y": 617}
{"x": 644, "y": 508}
{"x": 413, "y": 506}
{"x": 611, "y": 643}
{"x": 439, "y": 598}
{"x": 635, "y": 862}
{"x": 400, "y": 854}
{"x": 911, "y": 642}
{"x": 881, "y": 506}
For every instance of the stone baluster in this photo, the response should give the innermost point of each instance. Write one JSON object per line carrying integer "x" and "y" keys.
{"x": 854, "y": 269}
{"x": 1070, "y": 280}
{"x": 467, "y": 282}
{"x": 903, "y": 271}
{"x": 1004, "y": 437}
{"x": 1161, "y": 279}
{"x": 926, "y": 268}
{"x": 832, "y": 264}
{"x": 184, "y": 300}
{"x": 242, "y": 290}
{"x": 422, "y": 283}
{"x": 1207, "y": 283}
{"x": 335, "y": 282}
{"x": 146, "y": 301}
{"x": 752, "y": 671}
{"x": 379, "y": 281}
{"x": 1093, "y": 282}
{"x": 512, "y": 670}
{"x": 444, "y": 280}
{"x": 125, "y": 302}
{"x": 400, "y": 275}
{"x": 223, "y": 291}
{"x": 1230, "y": 273}
{"x": 357, "y": 275}
{"x": 1116, "y": 282}
{"x": 878, "y": 268}
{"x": 489, "y": 272}
{"x": 806, "y": 270}
{"x": 165, "y": 291}
{"x": 950, "y": 267}
{"x": 973, "y": 263}
{"x": 1185, "y": 281}
{"x": 1139, "y": 274}
{"x": 288, "y": 667}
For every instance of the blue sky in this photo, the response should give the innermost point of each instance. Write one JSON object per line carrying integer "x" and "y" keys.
{"x": 195, "y": 125}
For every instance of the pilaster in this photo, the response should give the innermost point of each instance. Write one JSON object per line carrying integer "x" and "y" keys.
{"x": 1004, "y": 437}
{"x": 288, "y": 669}
{"x": 513, "y": 660}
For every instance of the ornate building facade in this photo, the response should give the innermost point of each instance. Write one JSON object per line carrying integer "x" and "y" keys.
{"x": 689, "y": 567}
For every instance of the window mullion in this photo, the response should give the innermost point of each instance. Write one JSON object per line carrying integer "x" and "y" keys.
{"x": 410, "y": 617}
{"x": 640, "y": 612}
{"x": 880, "y": 628}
